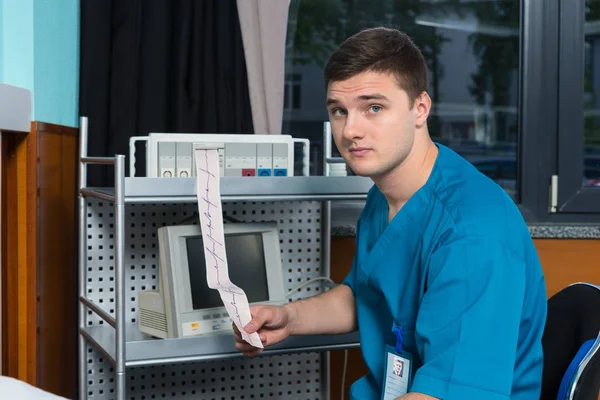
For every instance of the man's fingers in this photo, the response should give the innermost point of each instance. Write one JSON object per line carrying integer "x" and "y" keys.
{"x": 247, "y": 349}
{"x": 243, "y": 346}
{"x": 237, "y": 335}
{"x": 262, "y": 317}
{"x": 273, "y": 337}
{"x": 240, "y": 340}
{"x": 252, "y": 353}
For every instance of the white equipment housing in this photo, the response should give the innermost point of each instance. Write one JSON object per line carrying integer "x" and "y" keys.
{"x": 171, "y": 154}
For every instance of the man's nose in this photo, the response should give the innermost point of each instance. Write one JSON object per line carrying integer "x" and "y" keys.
{"x": 351, "y": 128}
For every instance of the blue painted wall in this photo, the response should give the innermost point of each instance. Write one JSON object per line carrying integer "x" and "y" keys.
{"x": 56, "y": 52}
{"x": 17, "y": 43}
{"x": 1, "y": 44}
{"x": 39, "y": 51}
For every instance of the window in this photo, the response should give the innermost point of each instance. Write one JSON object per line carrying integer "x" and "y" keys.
{"x": 505, "y": 78}
{"x": 591, "y": 102}
{"x": 291, "y": 96}
{"x": 578, "y": 178}
{"x": 472, "y": 52}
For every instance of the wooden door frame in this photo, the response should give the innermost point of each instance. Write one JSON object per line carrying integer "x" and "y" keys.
{"x": 19, "y": 256}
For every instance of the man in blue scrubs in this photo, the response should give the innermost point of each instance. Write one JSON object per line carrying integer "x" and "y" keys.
{"x": 442, "y": 251}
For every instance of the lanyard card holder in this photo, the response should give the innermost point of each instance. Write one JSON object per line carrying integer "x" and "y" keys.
{"x": 397, "y": 369}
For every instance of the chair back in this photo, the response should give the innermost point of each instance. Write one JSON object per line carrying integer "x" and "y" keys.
{"x": 571, "y": 343}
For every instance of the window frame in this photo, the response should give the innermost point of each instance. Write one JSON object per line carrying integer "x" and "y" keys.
{"x": 537, "y": 139}
{"x": 573, "y": 196}
{"x": 547, "y": 119}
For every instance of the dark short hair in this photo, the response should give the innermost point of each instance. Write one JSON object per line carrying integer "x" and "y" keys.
{"x": 383, "y": 50}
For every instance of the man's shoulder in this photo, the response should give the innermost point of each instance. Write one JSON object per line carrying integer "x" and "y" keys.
{"x": 475, "y": 204}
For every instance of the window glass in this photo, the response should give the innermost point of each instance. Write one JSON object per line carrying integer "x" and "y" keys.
{"x": 472, "y": 52}
{"x": 591, "y": 99}
{"x": 489, "y": 168}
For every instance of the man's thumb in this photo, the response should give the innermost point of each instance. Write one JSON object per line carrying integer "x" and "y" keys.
{"x": 257, "y": 322}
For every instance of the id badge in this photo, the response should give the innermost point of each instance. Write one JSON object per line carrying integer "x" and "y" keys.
{"x": 397, "y": 373}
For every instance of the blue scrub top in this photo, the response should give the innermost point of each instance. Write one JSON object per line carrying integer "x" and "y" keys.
{"x": 458, "y": 270}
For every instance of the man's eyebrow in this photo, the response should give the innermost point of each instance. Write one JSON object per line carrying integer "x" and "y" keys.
{"x": 374, "y": 96}
{"x": 331, "y": 101}
{"x": 364, "y": 97}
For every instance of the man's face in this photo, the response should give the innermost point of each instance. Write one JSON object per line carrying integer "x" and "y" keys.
{"x": 372, "y": 122}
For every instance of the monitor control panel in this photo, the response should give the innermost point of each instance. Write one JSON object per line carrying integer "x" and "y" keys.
{"x": 171, "y": 155}
{"x": 211, "y": 322}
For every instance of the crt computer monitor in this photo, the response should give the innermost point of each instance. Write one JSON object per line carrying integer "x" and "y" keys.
{"x": 184, "y": 305}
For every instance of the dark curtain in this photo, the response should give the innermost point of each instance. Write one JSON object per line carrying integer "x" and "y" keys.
{"x": 159, "y": 66}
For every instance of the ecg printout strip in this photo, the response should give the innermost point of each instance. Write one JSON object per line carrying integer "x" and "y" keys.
{"x": 211, "y": 222}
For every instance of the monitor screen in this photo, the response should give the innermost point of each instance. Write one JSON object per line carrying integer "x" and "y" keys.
{"x": 247, "y": 269}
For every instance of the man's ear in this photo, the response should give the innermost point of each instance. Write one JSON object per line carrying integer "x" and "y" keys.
{"x": 423, "y": 106}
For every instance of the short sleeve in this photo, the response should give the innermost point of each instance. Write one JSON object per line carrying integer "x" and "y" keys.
{"x": 467, "y": 328}
{"x": 350, "y": 279}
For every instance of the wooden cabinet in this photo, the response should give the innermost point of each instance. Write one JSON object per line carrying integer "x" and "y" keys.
{"x": 39, "y": 274}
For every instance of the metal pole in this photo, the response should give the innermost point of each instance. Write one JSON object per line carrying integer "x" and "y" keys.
{"x": 98, "y": 310}
{"x": 83, "y": 136}
{"x": 326, "y": 147}
{"x": 326, "y": 249}
{"x": 119, "y": 206}
{"x": 83, "y": 143}
{"x": 326, "y": 271}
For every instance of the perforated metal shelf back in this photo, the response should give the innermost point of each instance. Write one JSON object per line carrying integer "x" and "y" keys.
{"x": 295, "y": 376}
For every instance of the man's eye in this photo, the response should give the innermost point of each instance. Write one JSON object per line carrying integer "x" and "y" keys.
{"x": 376, "y": 109}
{"x": 338, "y": 112}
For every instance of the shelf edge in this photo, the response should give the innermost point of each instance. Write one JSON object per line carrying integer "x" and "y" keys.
{"x": 229, "y": 356}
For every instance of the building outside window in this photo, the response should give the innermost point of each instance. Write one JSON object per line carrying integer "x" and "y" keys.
{"x": 503, "y": 76}
{"x": 292, "y": 92}
{"x": 474, "y": 91}
{"x": 591, "y": 124}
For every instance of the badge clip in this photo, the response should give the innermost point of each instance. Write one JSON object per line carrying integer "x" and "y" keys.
{"x": 399, "y": 340}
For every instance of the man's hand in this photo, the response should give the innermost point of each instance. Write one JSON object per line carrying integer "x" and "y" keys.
{"x": 329, "y": 313}
{"x": 272, "y": 324}
{"x": 416, "y": 396}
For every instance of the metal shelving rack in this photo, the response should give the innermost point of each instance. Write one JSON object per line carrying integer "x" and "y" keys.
{"x": 113, "y": 335}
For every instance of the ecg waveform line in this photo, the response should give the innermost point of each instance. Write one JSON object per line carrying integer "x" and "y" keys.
{"x": 214, "y": 242}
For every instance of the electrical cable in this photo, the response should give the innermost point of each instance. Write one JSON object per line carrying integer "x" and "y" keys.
{"x": 321, "y": 278}
{"x": 344, "y": 374}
